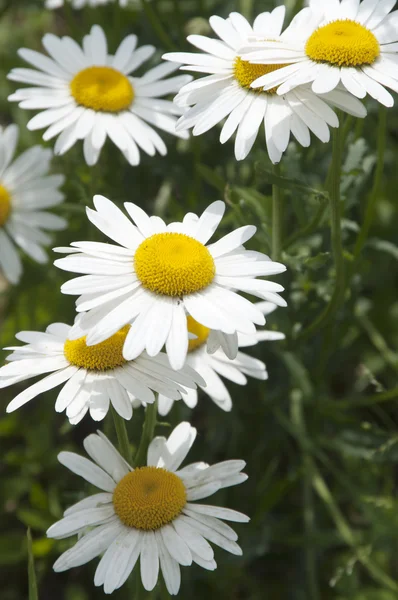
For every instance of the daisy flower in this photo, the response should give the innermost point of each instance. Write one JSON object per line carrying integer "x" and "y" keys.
{"x": 81, "y": 3}
{"x": 227, "y": 91}
{"x": 26, "y": 191}
{"x": 331, "y": 43}
{"x": 212, "y": 366}
{"x": 89, "y": 94}
{"x": 147, "y": 512}
{"x": 157, "y": 273}
{"x": 93, "y": 376}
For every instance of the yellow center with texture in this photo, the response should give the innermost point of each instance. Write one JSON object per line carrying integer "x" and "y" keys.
{"x": 101, "y": 357}
{"x": 343, "y": 43}
{"x": 5, "y": 205}
{"x": 201, "y": 332}
{"x": 102, "y": 89}
{"x": 173, "y": 264}
{"x": 149, "y": 498}
{"x": 245, "y": 73}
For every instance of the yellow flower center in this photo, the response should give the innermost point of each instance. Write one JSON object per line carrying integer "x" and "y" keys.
{"x": 101, "y": 357}
{"x": 344, "y": 44}
{"x": 149, "y": 498}
{"x": 102, "y": 89}
{"x": 245, "y": 73}
{"x": 173, "y": 264}
{"x": 200, "y": 331}
{"x": 5, "y": 205}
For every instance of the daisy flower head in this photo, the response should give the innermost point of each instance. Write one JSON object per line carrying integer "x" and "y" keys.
{"x": 87, "y": 94}
{"x": 348, "y": 43}
{"x": 148, "y": 513}
{"x": 211, "y": 362}
{"x": 26, "y": 192}
{"x": 92, "y": 376}
{"x": 52, "y": 4}
{"x": 158, "y": 273}
{"x": 227, "y": 91}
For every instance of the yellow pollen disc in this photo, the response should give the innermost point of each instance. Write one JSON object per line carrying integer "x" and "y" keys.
{"x": 102, "y": 89}
{"x": 101, "y": 357}
{"x": 149, "y": 498}
{"x": 344, "y": 44}
{"x": 200, "y": 331}
{"x": 173, "y": 264}
{"x": 5, "y": 205}
{"x": 245, "y": 73}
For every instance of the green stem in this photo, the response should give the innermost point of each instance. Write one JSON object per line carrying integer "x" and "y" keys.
{"x": 337, "y": 246}
{"x": 157, "y": 25}
{"x": 122, "y": 437}
{"x": 246, "y": 8}
{"x": 147, "y": 434}
{"x": 277, "y": 209}
{"x": 374, "y": 194}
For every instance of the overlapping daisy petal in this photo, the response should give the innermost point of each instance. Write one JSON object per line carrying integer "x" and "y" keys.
{"x": 181, "y": 542}
{"x": 130, "y": 128}
{"x": 225, "y": 92}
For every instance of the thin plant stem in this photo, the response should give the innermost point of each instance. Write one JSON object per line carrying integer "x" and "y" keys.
{"x": 374, "y": 194}
{"x": 147, "y": 434}
{"x": 122, "y": 437}
{"x": 157, "y": 26}
{"x": 277, "y": 210}
{"x": 337, "y": 247}
{"x": 246, "y": 8}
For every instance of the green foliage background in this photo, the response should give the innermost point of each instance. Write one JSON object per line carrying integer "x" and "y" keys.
{"x": 320, "y": 437}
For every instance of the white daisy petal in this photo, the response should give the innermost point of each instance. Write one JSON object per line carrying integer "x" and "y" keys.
{"x": 86, "y": 469}
{"x": 176, "y": 546}
{"x": 104, "y": 454}
{"x": 169, "y": 567}
{"x": 90, "y": 502}
{"x": 219, "y": 513}
{"x": 149, "y": 560}
{"x": 67, "y": 84}
{"x": 48, "y": 383}
{"x": 193, "y": 539}
{"x": 79, "y": 521}
{"x": 180, "y": 541}
{"x": 88, "y": 547}
{"x": 318, "y": 44}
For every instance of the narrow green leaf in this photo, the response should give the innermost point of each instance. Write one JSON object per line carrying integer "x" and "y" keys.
{"x": 286, "y": 183}
{"x": 33, "y": 594}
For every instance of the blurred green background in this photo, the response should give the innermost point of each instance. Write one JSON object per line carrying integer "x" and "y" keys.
{"x": 320, "y": 437}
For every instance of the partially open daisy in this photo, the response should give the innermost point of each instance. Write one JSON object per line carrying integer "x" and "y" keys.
{"x": 159, "y": 273}
{"x": 228, "y": 91}
{"x": 89, "y": 94}
{"x": 26, "y": 191}
{"x": 93, "y": 376}
{"x": 331, "y": 43}
{"x": 212, "y": 366}
{"x": 147, "y": 513}
{"x": 52, "y": 4}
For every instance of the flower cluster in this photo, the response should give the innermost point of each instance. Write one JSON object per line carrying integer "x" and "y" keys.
{"x": 163, "y": 309}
